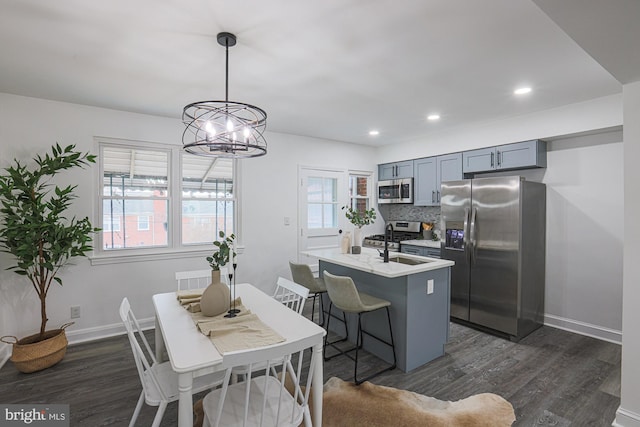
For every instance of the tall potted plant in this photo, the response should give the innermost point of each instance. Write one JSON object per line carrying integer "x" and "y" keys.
{"x": 359, "y": 219}
{"x": 35, "y": 229}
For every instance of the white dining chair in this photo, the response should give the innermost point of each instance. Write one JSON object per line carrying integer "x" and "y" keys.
{"x": 159, "y": 381}
{"x": 197, "y": 279}
{"x": 264, "y": 400}
{"x": 291, "y": 294}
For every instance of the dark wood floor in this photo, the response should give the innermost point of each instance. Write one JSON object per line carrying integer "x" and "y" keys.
{"x": 552, "y": 378}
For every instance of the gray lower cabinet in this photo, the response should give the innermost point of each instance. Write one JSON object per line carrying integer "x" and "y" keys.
{"x": 420, "y": 250}
{"x": 519, "y": 155}
{"x": 395, "y": 170}
{"x": 419, "y": 320}
{"x": 430, "y": 172}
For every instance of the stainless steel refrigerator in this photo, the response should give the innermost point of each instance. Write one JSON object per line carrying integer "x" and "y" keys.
{"x": 494, "y": 231}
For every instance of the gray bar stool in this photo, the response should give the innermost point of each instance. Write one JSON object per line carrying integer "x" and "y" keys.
{"x": 302, "y": 275}
{"x": 344, "y": 295}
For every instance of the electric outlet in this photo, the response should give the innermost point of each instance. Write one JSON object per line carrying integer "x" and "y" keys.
{"x": 430, "y": 286}
{"x": 75, "y": 311}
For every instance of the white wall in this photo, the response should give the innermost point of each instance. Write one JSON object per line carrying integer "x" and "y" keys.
{"x": 628, "y": 414}
{"x": 584, "y": 204}
{"x": 269, "y": 184}
{"x": 585, "y": 234}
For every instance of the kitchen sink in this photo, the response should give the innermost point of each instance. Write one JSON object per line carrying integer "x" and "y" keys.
{"x": 406, "y": 260}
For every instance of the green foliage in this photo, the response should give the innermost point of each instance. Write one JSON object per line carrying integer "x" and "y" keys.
{"x": 222, "y": 256}
{"x": 33, "y": 225}
{"x": 358, "y": 218}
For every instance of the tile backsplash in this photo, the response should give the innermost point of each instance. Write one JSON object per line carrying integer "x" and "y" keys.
{"x": 408, "y": 212}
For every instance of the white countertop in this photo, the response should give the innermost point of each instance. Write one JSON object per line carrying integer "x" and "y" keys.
{"x": 427, "y": 243}
{"x": 371, "y": 261}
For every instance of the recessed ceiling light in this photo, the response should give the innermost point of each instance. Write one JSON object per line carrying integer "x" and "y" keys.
{"x": 374, "y": 132}
{"x": 522, "y": 90}
{"x": 433, "y": 117}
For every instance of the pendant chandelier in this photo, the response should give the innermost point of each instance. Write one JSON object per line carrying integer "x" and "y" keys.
{"x": 224, "y": 128}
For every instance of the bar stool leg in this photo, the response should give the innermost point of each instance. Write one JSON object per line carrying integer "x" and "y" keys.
{"x": 333, "y": 343}
{"x": 313, "y": 305}
{"x": 359, "y": 343}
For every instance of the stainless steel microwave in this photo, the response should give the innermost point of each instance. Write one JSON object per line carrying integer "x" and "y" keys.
{"x": 395, "y": 191}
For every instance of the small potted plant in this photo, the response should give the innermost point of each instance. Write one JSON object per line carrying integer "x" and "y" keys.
{"x": 224, "y": 254}
{"x": 359, "y": 219}
{"x": 35, "y": 229}
{"x": 215, "y": 299}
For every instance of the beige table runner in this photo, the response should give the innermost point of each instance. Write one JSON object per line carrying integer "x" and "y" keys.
{"x": 190, "y": 299}
{"x": 242, "y": 332}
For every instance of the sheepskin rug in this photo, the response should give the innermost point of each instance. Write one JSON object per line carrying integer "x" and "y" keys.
{"x": 346, "y": 404}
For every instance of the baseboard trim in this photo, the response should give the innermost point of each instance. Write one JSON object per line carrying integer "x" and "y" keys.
{"x": 85, "y": 335}
{"x": 583, "y": 328}
{"x": 107, "y": 331}
{"x": 626, "y": 418}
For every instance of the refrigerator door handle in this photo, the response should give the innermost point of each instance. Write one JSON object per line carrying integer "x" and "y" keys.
{"x": 465, "y": 236}
{"x": 472, "y": 233}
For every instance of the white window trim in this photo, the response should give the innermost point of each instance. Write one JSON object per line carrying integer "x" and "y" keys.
{"x": 369, "y": 176}
{"x": 102, "y": 257}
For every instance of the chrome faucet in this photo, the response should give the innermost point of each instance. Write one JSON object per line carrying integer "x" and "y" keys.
{"x": 386, "y": 241}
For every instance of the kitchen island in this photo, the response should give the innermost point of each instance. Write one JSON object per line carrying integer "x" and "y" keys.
{"x": 419, "y": 291}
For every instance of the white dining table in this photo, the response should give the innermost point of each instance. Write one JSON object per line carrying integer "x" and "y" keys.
{"x": 192, "y": 354}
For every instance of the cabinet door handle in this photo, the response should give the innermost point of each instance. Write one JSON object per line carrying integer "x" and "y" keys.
{"x": 499, "y": 162}
{"x": 433, "y": 197}
{"x": 438, "y": 199}
{"x": 395, "y": 170}
{"x": 491, "y": 159}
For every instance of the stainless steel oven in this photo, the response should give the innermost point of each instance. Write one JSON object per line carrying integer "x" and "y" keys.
{"x": 395, "y": 191}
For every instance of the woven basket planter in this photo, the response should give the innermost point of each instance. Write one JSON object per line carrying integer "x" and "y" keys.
{"x": 30, "y": 355}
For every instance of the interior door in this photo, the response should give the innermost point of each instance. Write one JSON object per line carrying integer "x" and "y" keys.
{"x": 322, "y": 193}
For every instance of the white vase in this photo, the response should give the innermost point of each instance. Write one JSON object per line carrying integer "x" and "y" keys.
{"x": 215, "y": 299}
{"x": 357, "y": 240}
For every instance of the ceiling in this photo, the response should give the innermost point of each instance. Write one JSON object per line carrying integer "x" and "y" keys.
{"x": 332, "y": 69}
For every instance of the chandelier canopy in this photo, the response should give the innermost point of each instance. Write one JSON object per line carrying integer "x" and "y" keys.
{"x": 224, "y": 128}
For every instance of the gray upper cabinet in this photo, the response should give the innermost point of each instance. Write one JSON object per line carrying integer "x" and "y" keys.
{"x": 424, "y": 181}
{"x": 428, "y": 175}
{"x": 395, "y": 170}
{"x": 520, "y": 155}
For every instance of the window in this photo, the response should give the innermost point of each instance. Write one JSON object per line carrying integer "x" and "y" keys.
{"x": 156, "y": 198}
{"x": 207, "y": 198}
{"x": 135, "y": 183}
{"x": 360, "y": 191}
{"x": 110, "y": 223}
{"x": 143, "y": 222}
{"x": 322, "y": 202}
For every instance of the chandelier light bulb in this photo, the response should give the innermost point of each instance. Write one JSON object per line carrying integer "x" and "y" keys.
{"x": 211, "y": 130}
{"x": 229, "y": 125}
